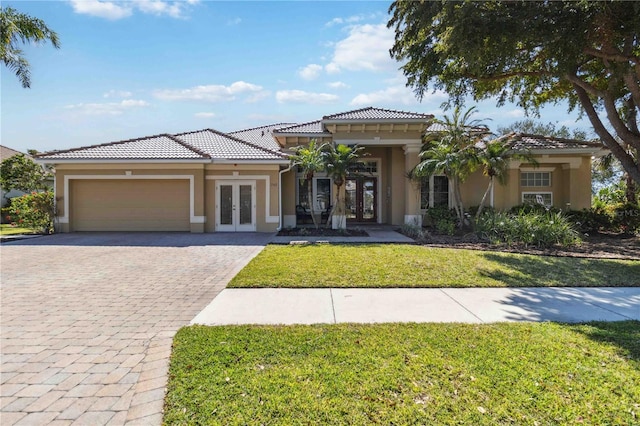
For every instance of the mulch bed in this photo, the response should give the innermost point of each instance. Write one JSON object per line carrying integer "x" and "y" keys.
{"x": 598, "y": 246}
{"x": 322, "y": 232}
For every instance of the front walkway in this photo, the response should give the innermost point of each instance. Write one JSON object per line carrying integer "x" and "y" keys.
{"x": 378, "y": 234}
{"x": 467, "y": 305}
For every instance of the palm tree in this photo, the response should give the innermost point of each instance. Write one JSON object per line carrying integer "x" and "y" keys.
{"x": 310, "y": 159}
{"x": 494, "y": 160}
{"x": 340, "y": 162}
{"x": 18, "y": 27}
{"x": 453, "y": 153}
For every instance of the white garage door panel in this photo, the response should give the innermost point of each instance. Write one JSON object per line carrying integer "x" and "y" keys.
{"x": 129, "y": 205}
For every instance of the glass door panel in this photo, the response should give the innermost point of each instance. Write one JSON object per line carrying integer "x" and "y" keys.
{"x": 351, "y": 200}
{"x": 246, "y": 212}
{"x": 226, "y": 204}
{"x": 369, "y": 199}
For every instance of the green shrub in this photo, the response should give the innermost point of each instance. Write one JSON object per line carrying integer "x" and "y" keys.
{"x": 444, "y": 220}
{"x": 591, "y": 220}
{"x": 626, "y": 217}
{"x": 539, "y": 229}
{"x": 33, "y": 211}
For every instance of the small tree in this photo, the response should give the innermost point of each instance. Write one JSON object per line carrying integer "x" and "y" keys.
{"x": 35, "y": 211}
{"x": 340, "y": 162}
{"x": 310, "y": 159}
{"x": 494, "y": 159}
{"x": 22, "y": 173}
{"x": 454, "y": 154}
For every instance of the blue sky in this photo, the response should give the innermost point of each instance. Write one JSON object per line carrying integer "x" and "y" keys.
{"x": 139, "y": 68}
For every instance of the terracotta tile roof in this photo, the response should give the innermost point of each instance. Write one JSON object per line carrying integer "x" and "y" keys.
{"x": 439, "y": 127}
{"x": 525, "y": 141}
{"x": 219, "y": 145}
{"x": 311, "y": 127}
{"x": 261, "y": 136}
{"x": 371, "y": 113}
{"x": 159, "y": 147}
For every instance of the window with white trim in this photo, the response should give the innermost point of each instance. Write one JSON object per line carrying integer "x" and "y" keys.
{"x": 529, "y": 179}
{"x": 434, "y": 192}
{"x": 321, "y": 193}
{"x": 543, "y": 198}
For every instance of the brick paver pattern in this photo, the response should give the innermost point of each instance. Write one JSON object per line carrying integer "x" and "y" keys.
{"x": 87, "y": 320}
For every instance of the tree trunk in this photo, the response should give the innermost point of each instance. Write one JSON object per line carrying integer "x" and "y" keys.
{"x": 334, "y": 207}
{"x": 310, "y": 195}
{"x": 484, "y": 198}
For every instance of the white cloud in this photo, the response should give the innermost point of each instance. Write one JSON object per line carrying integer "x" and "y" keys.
{"x": 338, "y": 85}
{"x": 204, "y": 114}
{"x": 211, "y": 93}
{"x": 234, "y": 21}
{"x": 365, "y": 48}
{"x": 310, "y": 72}
{"x": 114, "y": 10}
{"x": 299, "y": 96}
{"x": 349, "y": 20}
{"x": 107, "y": 108}
{"x": 117, "y": 94}
{"x": 101, "y": 9}
{"x": 394, "y": 94}
{"x": 515, "y": 113}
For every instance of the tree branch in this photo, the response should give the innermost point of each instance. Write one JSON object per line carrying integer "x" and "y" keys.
{"x": 634, "y": 88}
{"x": 610, "y": 142}
{"x": 618, "y": 124}
{"x": 615, "y": 57}
{"x": 506, "y": 76}
{"x": 585, "y": 86}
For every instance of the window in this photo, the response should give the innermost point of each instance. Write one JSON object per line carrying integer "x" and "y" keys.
{"x": 434, "y": 192}
{"x": 321, "y": 193}
{"x": 535, "y": 178}
{"x": 370, "y": 167}
{"x": 544, "y": 198}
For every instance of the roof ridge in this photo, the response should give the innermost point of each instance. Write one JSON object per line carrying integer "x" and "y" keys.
{"x": 80, "y": 148}
{"x": 378, "y": 109}
{"x": 188, "y": 146}
{"x": 299, "y": 125}
{"x": 560, "y": 139}
{"x": 260, "y": 127}
{"x": 226, "y": 135}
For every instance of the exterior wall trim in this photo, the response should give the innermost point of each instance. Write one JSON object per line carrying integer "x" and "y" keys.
{"x": 267, "y": 202}
{"x": 192, "y": 217}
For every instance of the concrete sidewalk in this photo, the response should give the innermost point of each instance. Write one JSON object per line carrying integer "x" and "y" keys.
{"x": 466, "y": 305}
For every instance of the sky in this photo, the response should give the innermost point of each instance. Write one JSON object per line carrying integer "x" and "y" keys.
{"x": 129, "y": 69}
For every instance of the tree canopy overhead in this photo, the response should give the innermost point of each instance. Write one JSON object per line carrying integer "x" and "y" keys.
{"x": 531, "y": 53}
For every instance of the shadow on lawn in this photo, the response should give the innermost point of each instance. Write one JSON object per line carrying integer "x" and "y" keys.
{"x": 623, "y": 334}
{"x": 547, "y": 271}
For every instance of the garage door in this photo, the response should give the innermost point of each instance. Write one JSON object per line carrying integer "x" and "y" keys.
{"x": 129, "y": 205}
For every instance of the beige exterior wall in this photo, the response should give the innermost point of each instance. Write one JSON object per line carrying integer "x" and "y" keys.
{"x": 197, "y": 191}
{"x": 570, "y": 184}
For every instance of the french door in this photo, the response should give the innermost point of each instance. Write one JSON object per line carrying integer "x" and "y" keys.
{"x": 361, "y": 199}
{"x": 235, "y": 206}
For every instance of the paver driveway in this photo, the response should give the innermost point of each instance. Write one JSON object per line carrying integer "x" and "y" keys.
{"x": 87, "y": 320}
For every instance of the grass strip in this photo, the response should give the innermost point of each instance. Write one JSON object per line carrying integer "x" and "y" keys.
{"x": 506, "y": 373}
{"x": 399, "y": 265}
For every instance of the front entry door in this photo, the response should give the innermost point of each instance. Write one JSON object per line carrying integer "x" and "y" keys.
{"x": 235, "y": 206}
{"x": 361, "y": 199}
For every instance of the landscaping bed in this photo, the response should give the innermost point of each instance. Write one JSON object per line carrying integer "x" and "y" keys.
{"x": 599, "y": 245}
{"x": 525, "y": 373}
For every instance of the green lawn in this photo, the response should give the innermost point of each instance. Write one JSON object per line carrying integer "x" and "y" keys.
{"x": 525, "y": 373}
{"x": 7, "y": 229}
{"x": 397, "y": 265}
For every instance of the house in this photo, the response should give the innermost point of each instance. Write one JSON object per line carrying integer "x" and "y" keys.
{"x": 209, "y": 181}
